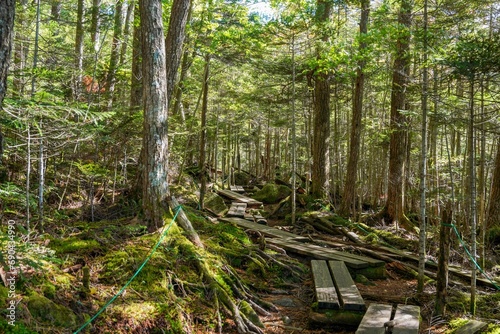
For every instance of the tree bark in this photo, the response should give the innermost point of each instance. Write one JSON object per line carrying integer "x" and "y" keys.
{"x": 175, "y": 41}
{"x": 95, "y": 24}
{"x": 115, "y": 52}
{"x": 321, "y": 136}
{"x": 7, "y": 11}
{"x": 136, "y": 82}
{"x": 493, "y": 218}
{"x": 79, "y": 49}
{"x": 155, "y": 140}
{"x": 443, "y": 259}
{"x": 349, "y": 196}
{"x": 203, "y": 133}
{"x": 393, "y": 210}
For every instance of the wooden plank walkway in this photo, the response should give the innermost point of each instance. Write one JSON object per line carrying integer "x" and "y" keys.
{"x": 239, "y": 198}
{"x": 318, "y": 252}
{"x": 264, "y": 229}
{"x": 237, "y": 189}
{"x": 374, "y": 319}
{"x": 348, "y": 293}
{"x": 326, "y": 295}
{"x": 237, "y": 210}
{"x": 407, "y": 319}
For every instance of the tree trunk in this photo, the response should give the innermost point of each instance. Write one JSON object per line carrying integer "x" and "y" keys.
{"x": 115, "y": 52}
{"x": 55, "y": 10}
{"x": 321, "y": 132}
{"x": 443, "y": 259}
{"x": 349, "y": 196}
{"x": 493, "y": 218}
{"x": 423, "y": 164}
{"x": 21, "y": 50}
{"x": 7, "y": 10}
{"x": 175, "y": 41}
{"x": 95, "y": 24}
{"x": 136, "y": 82}
{"x": 155, "y": 140}
{"x": 79, "y": 49}
{"x": 203, "y": 134}
{"x": 393, "y": 210}
{"x": 472, "y": 195}
{"x": 129, "y": 17}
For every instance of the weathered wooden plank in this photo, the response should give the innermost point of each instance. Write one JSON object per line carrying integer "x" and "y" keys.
{"x": 374, "y": 319}
{"x": 237, "y": 210}
{"x": 264, "y": 229}
{"x": 318, "y": 252}
{"x": 471, "y": 327}
{"x": 237, "y": 189}
{"x": 348, "y": 292}
{"x": 406, "y": 319}
{"x": 326, "y": 295}
{"x": 239, "y": 198}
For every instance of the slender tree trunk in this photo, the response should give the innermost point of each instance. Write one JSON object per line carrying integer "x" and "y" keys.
{"x": 443, "y": 259}
{"x": 493, "y": 218}
{"x": 21, "y": 50}
{"x": 423, "y": 164}
{"x": 349, "y": 195}
{"x": 393, "y": 211}
{"x": 95, "y": 24}
{"x": 129, "y": 18}
{"x": 203, "y": 133}
{"x": 136, "y": 82}
{"x": 472, "y": 185}
{"x": 79, "y": 49}
{"x": 35, "y": 50}
{"x": 115, "y": 52}
{"x": 175, "y": 41}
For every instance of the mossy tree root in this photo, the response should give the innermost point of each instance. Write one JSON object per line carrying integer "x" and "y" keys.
{"x": 223, "y": 296}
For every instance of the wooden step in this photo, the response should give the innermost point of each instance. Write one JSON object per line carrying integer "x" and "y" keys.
{"x": 237, "y": 189}
{"x": 378, "y": 320}
{"x": 326, "y": 294}
{"x": 407, "y": 319}
{"x": 375, "y": 317}
{"x": 252, "y": 203}
{"x": 350, "y": 298}
{"x": 237, "y": 210}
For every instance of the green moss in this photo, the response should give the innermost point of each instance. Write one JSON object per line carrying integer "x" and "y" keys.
{"x": 18, "y": 328}
{"x": 272, "y": 193}
{"x": 49, "y": 290}
{"x": 45, "y": 310}
{"x": 4, "y": 294}
{"x": 216, "y": 204}
{"x": 74, "y": 244}
{"x": 492, "y": 329}
{"x": 247, "y": 310}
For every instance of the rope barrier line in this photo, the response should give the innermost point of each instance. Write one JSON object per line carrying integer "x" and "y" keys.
{"x": 470, "y": 255}
{"x": 153, "y": 250}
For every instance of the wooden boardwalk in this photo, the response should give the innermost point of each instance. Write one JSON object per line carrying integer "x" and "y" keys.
{"x": 318, "y": 252}
{"x": 264, "y": 229}
{"x": 252, "y": 203}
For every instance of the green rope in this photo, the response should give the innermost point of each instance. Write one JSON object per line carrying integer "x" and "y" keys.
{"x": 470, "y": 255}
{"x": 153, "y": 250}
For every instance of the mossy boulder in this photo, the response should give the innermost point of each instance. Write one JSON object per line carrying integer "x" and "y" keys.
{"x": 45, "y": 310}
{"x": 215, "y": 204}
{"x": 272, "y": 193}
{"x": 241, "y": 178}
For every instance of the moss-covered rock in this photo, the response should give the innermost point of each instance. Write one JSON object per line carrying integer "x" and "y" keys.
{"x": 45, "y": 310}
{"x": 215, "y": 204}
{"x": 241, "y": 178}
{"x": 272, "y": 193}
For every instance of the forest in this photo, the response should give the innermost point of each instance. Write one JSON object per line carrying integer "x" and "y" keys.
{"x": 131, "y": 132}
